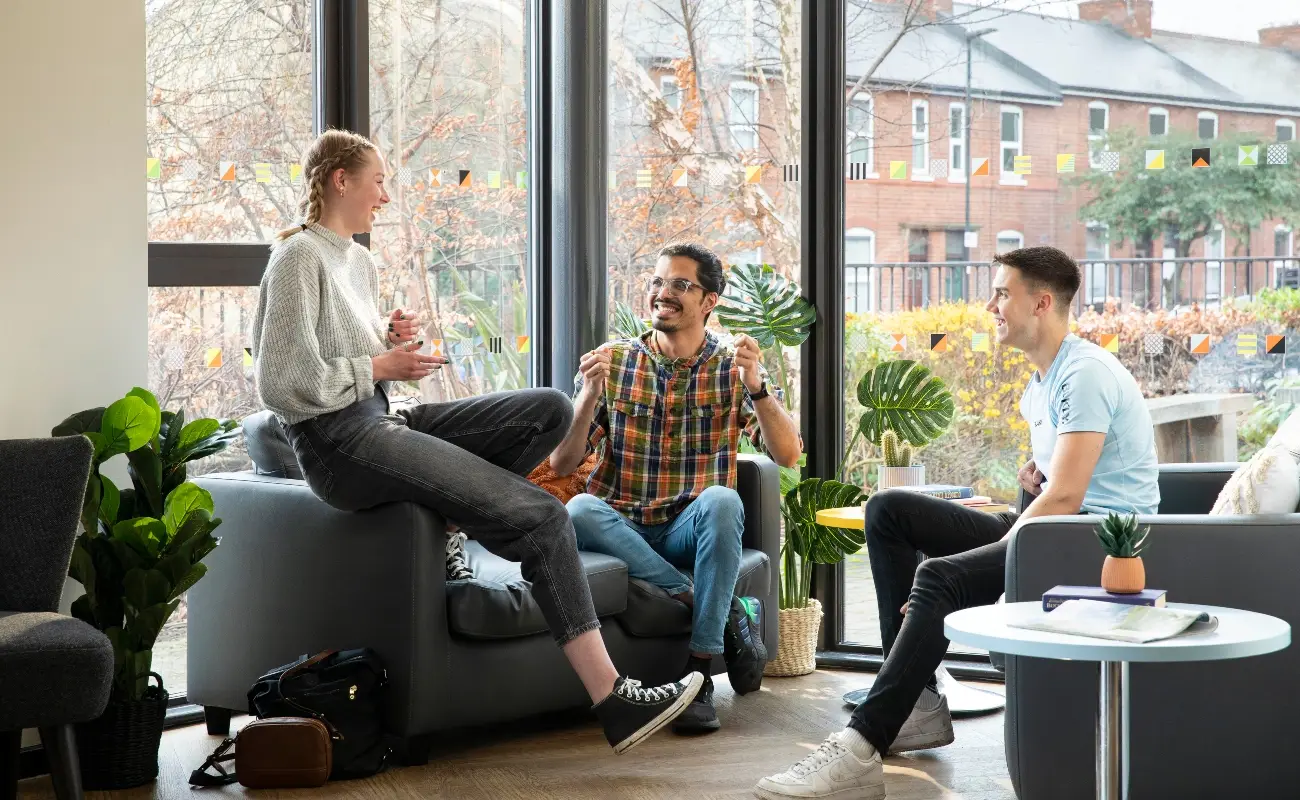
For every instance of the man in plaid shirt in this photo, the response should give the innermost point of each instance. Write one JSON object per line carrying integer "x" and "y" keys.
{"x": 666, "y": 412}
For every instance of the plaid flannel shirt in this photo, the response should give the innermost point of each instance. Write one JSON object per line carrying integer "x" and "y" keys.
{"x": 669, "y": 428}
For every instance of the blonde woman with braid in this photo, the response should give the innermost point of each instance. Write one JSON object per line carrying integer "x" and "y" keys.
{"x": 325, "y": 358}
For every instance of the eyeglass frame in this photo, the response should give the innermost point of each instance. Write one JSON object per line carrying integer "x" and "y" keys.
{"x": 672, "y": 292}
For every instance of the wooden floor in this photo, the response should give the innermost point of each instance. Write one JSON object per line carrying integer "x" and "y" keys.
{"x": 568, "y": 758}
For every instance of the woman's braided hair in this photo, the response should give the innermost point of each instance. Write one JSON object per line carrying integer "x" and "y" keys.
{"x": 332, "y": 150}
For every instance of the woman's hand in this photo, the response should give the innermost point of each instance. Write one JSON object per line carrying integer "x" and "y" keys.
{"x": 403, "y": 326}
{"x": 405, "y": 363}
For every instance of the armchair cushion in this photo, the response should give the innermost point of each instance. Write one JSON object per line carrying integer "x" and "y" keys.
{"x": 497, "y": 603}
{"x": 54, "y": 670}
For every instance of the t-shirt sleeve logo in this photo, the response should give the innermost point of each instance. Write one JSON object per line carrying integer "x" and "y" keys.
{"x": 1063, "y": 404}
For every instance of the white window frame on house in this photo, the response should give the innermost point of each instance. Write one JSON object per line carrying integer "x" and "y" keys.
{"x": 740, "y": 122}
{"x": 1214, "y": 263}
{"x": 1014, "y": 146}
{"x": 921, "y": 139}
{"x": 957, "y": 141}
{"x": 1285, "y": 260}
{"x": 1008, "y": 234}
{"x": 867, "y": 237}
{"x": 1284, "y": 125}
{"x": 1095, "y": 140}
{"x": 865, "y": 103}
{"x": 1095, "y": 273}
{"x": 671, "y": 91}
{"x": 1213, "y": 117}
{"x": 1157, "y": 112}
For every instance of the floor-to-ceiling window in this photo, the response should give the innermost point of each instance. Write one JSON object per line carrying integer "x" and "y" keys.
{"x": 715, "y": 163}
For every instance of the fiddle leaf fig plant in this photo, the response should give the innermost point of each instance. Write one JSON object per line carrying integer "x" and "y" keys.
{"x": 140, "y": 548}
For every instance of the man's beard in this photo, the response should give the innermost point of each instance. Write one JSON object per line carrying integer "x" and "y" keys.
{"x": 665, "y": 325}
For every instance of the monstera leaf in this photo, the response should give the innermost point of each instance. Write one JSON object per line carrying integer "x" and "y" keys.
{"x": 626, "y": 324}
{"x": 811, "y": 541}
{"x": 764, "y": 304}
{"x": 905, "y": 397}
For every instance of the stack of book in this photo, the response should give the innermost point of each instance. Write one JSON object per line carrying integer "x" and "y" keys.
{"x": 1057, "y": 595}
{"x": 960, "y": 494}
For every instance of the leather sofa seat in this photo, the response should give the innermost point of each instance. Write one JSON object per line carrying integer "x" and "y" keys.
{"x": 497, "y": 603}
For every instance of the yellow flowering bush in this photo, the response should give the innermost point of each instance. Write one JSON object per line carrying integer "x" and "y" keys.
{"x": 988, "y": 440}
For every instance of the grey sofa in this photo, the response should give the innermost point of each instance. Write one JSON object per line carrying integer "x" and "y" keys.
{"x": 1190, "y": 724}
{"x": 294, "y": 576}
{"x": 54, "y": 670}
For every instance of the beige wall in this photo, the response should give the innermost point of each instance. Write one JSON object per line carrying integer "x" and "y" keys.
{"x": 73, "y": 251}
{"x": 73, "y": 258}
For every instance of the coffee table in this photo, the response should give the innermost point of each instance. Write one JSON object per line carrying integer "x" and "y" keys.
{"x": 963, "y": 700}
{"x": 1240, "y": 634}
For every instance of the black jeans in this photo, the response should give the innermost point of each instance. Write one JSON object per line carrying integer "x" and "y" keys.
{"x": 467, "y": 460}
{"x": 965, "y": 566}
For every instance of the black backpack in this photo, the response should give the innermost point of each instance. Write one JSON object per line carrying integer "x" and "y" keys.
{"x": 343, "y": 689}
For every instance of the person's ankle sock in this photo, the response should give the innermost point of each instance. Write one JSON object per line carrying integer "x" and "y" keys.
{"x": 696, "y": 664}
{"x": 858, "y": 744}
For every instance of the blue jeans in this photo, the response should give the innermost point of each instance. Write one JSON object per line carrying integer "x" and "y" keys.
{"x": 705, "y": 537}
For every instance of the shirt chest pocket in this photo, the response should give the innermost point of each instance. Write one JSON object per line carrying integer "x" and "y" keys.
{"x": 705, "y": 427}
{"x": 632, "y": 425}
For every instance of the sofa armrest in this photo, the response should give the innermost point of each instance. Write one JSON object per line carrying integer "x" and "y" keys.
{"x": 294, "y": 576}
{"x": 758, "y": 481}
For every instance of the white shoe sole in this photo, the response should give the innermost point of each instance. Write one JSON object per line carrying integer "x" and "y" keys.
{"x": 693, "y": 684}
{"x": 851, "y": 793}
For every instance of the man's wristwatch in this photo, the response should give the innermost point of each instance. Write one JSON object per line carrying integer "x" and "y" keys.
{"x": 760, "y": 394}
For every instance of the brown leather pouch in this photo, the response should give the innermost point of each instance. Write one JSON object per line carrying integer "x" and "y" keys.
{"x": 273, "y": 753}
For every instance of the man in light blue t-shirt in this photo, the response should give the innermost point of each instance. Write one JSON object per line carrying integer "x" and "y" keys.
{"x": 1094, "y": 452}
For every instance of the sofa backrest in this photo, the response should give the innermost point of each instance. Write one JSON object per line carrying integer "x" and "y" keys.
{"x": 268, "y": 446}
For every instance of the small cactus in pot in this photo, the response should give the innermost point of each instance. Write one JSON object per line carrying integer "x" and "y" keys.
{"x": 896, "y": 454}
{"x": 1124, "y": 542}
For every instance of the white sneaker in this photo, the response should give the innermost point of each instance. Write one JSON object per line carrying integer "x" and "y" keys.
{"x": 930, "y": 725}
{"x": 832, "y": 770}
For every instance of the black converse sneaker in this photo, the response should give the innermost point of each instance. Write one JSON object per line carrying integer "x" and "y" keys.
{"x": 457, "y": 564}
{"x": 633, "y": 712}
{"x": 742, "y": 644}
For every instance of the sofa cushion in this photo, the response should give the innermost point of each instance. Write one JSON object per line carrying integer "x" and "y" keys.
{"x": 1269, "y": 483}
{"x": 497, "y": 603}
{"x": 268, "y": 446}
{"x": 651, "y": 612}
{"x": 54, "y": 670}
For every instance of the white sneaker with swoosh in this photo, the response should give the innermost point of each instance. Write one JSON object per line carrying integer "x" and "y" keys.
{"x": 830, "y": 771}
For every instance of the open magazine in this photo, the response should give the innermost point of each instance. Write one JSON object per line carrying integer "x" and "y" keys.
{"x": 1101, "y": 620}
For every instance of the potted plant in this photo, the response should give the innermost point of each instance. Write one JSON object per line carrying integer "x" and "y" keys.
{"x": 139, "y": 550}
{"x": 808, "y": 542}
{"x": 906, "y": 406}
{"x": 1123, "y": 571}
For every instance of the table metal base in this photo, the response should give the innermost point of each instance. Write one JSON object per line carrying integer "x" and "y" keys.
{"x": 963, "y": 700}
{"x": 1112, "y": 732}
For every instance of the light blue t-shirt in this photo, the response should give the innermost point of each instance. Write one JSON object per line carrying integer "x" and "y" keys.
{"x": 1087, "y": 389}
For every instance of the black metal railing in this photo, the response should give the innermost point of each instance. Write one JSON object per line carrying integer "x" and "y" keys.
{"x": 1146, "y": 283}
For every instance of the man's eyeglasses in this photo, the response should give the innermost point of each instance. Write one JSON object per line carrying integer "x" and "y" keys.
{"x": 676, "y": 286}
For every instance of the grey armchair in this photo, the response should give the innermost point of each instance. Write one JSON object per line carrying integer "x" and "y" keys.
{"x": 54, "y": 670}
{"x": 1184, "y": 717}
{"x": 294, "y": 576}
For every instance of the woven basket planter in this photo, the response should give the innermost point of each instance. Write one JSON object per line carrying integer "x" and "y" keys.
{"x": 796, "y": 652}
{"x": 119, "y": 750}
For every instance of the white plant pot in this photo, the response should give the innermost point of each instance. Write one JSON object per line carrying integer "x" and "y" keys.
{"x": 891, "y": 477}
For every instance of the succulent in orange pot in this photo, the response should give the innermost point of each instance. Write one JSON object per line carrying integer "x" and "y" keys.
{"x": 1123, "y": 541}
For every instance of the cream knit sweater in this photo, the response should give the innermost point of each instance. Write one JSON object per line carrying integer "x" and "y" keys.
{"x": 317, "y": 326}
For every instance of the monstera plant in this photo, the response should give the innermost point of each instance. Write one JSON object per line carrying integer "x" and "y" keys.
{"x": 904, "y": 403}
{"x": 140, "y": 547}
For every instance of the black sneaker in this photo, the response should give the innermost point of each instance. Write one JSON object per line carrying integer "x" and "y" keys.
{"x": 633, "y": 712}
{"x": 742, "y": 644}
{"x": 700, "y": 716}
{"x": 457, "y": 562}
